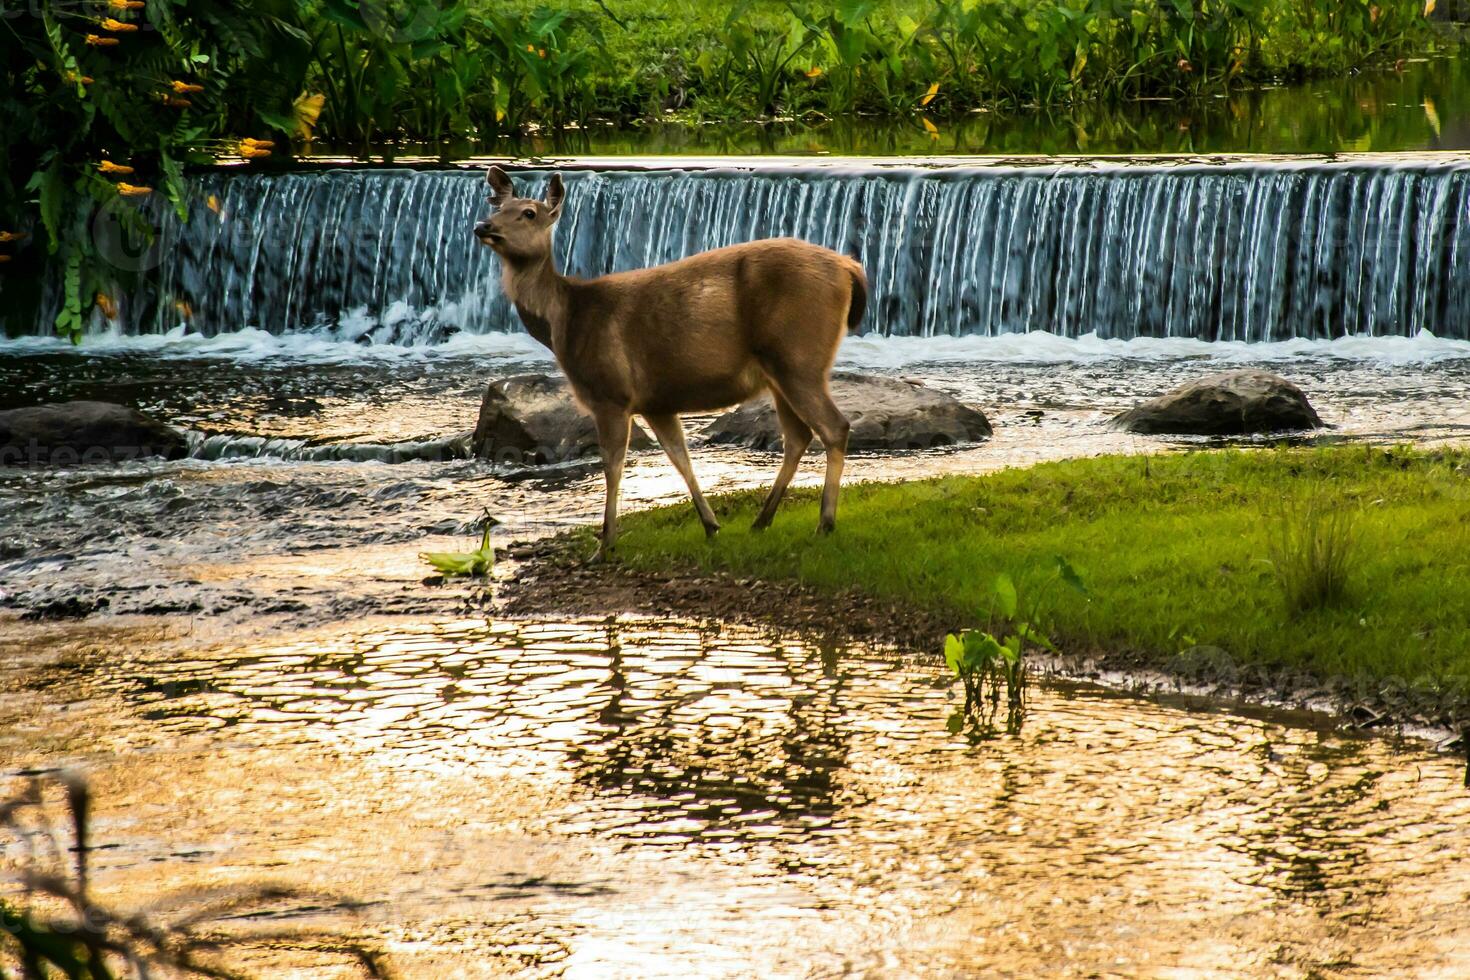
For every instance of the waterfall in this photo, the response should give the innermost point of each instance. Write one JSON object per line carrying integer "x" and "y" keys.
{"x": 1241, "y": 251}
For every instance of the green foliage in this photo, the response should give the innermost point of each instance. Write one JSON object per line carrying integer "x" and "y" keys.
{"x": 1177, "y": 553}
{"x": 986, "y": 665}
{"x": 789, "y": 57}
{"x": 142, "y": 88}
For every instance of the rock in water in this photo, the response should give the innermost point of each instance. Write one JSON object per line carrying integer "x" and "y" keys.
{"x": 885, "y": 414}
{"x": 533, "y": 419}
{"x": 69, "y": 433}
{"x": 1226, "y": 404}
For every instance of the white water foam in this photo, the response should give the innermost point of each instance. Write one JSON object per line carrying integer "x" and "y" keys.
{"x": 871, "y": 352}
{"x": 250, "y": 345}
{"x": 874, "y": 352}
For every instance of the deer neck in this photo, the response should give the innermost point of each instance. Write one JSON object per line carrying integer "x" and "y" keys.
{"x": 539, "y": 293}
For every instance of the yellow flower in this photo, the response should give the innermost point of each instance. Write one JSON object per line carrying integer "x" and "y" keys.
{"x": 106, "y": 305}
{"x": 929, "y": 95}
{"x": 212, "y": 203}
{"x": 11, "y": 236}
{"x": 259, "y": 144}
{"x": 101, "y": 42}
{"x": 183, "y": 88}
{"x": 814, "y": 72}
{"x": 4, "y": 258}
{"x": 117, "y": 26}
{"x": 74, "y": 78}
{"x": 171, "y": 100}
{"x": 108, "y": 167}
{"x": 126, "y": 4}
{"x": 253, "y": 152}
{"x": 133, "y": 190}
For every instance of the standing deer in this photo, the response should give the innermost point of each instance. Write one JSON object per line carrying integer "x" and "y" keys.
{"x": 695, "y": 335}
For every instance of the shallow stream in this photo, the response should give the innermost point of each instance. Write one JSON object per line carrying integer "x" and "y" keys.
{"x": 240, "y": 653}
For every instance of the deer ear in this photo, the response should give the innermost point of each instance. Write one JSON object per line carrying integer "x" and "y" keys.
{"x": 555, "y": 194}
{"x": 501, "y": 189}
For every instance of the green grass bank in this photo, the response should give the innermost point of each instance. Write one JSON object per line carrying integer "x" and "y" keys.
{"x": 1180, "y": 553}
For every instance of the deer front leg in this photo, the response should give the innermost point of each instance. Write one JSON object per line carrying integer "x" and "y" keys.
{"x": 612, "y": 436}
{"x": 670, "y": 433}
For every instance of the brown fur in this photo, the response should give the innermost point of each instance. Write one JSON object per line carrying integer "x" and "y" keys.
{"x": 695, "y": 335}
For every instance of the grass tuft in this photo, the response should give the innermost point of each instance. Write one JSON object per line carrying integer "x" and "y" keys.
{"x": 1312, "y": 553}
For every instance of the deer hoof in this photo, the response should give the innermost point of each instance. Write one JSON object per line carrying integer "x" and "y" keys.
{"x": 601, "y": 556}
{"x": 826, "y": 526}
{"x": 710, "y": 530}
{"x": 760, "y": 524}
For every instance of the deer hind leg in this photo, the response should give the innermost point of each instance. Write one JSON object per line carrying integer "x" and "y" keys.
{"x": 612, "y": 436}
{"x": 796, "y": 436}
{"x": 670, "y": 433}
{"x": 812, "y": 401}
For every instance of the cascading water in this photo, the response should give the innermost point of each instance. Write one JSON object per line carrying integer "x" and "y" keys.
{"x": 1250, "y": 251}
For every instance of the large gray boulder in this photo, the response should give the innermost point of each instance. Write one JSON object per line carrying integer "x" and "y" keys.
{"x": 69, "y": 433}
{"x": 1227, "y": 404}
{"x": 885, "y": 414}
{"x": 533, "y": 419}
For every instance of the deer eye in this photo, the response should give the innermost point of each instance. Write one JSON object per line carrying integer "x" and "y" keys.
{"x": 529, "y": 214}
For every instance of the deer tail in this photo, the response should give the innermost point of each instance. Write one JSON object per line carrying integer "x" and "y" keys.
{"x": 858, "y": 305}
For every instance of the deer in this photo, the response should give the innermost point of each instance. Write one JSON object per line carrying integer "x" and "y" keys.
{"x": 695, "y": 335}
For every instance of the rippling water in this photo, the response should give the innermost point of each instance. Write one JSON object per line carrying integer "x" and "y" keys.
{"x": 650, "y": 798}
{"x": 301, "y": 434}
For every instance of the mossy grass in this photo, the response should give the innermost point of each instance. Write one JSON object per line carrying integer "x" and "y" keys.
{"x": 1176, "y": 551}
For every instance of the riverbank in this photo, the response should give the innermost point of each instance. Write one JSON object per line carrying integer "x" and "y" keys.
{"x": 1181, "y": 554}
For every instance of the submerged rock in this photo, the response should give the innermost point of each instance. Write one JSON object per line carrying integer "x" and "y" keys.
{"x": 68, "y": 433}
{"x": 885, "y": 414}
{"x": 533, "y": 419}
{"x": 1225, "y": 404}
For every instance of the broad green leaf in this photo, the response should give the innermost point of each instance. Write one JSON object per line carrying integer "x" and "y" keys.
{"x": 1069, "y": 575}
{"x": 954, "y": 652}
{"x": 1005, "y": 593}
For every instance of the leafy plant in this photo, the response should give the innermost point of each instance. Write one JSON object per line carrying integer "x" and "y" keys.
{"x": 987, "y": 665}
{"x": 104, "y": 103}
{"x": 477, "y": 562}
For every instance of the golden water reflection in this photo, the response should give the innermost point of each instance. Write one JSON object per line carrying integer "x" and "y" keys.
{"x": 649, "y": 798}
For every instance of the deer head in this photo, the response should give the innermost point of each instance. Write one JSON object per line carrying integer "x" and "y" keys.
{"x": 519, "y": 227}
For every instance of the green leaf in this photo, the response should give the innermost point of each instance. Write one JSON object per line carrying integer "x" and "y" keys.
{"x": 981, "y": 649}
{"x": 1069, "y": 575}
{"x": 52, "y": 189}
{"x": 475, "y": 562}
{"x": 954, "y": 652}
{"x": 277, "y": 121}
{"x": 955, "y": 723}
{"x": 173, "y": 184}
{"x": 1005, "y": 593}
